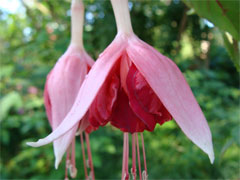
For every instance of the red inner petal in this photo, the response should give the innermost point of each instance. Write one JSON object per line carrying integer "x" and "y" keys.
{"x": 90, "y": 129}
{"x": 101, "y": 108}
{"x": 123, "y": 117}
{"x": 140, "y": 97}
{"x": 144, "y": 101}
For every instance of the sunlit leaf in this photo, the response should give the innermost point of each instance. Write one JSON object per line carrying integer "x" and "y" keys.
{"x": 223, "y": 14}
{"x": 232, "y": 47}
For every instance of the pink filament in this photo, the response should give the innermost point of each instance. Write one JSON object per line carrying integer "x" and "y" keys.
{"x": 73, "y": 155}
{"x": 133, "y": 157}
{"x": 125, "y": 174}
{"x": 89, "y": 155}
{"x": 84, "y": 157}
{"x": 139, "y": 160}
{"x": 66, "y": 165}
{"x": 72, "y": 167}
{"x": 144, "y": 155}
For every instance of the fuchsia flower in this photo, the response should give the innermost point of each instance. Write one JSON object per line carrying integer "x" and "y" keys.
{"x": 62, "y": 86}
{"x": 134, "y": 87}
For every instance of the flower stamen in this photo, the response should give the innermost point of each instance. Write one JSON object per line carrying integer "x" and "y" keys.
{"x": 84, "y": 157}
{"x": 72, "y": 167}
{"x": 133, "y": 170}
{"x": 144, "y": 155}
{"x": 139, "y": 160}
{"x": 125, "y": 174}
{"x": 67, "y": 165}
{"x": 89, "y": 156}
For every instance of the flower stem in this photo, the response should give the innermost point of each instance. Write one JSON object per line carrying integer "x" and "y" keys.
{"x": 122, "y": 16}
{"x": 77, "y": 20}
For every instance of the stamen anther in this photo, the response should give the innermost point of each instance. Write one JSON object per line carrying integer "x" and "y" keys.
{"x": 90, "y": 177}
{"x": 88, "y": 163}
{"x": 144, "y": 175}
{"x": 73, "y": 171}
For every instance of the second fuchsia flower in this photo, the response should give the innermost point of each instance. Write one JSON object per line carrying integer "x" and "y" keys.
{"x": 61, "y": 89}
{"x": 134, "y": 87}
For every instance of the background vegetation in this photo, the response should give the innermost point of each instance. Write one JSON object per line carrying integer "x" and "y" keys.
{"x": 35, "y": 35}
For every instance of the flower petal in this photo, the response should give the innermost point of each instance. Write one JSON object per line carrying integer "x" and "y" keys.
{"x": 170, "y": 86}
{"x": 47, "y": 101}
{"x": 134, "y": 101}
{"x": 61, "y": 144}
{"x": 61, "y": 89}
{"x": 123, "y": 116}
{"x": 101, "y": 108}
{"x": 88, "y": 90}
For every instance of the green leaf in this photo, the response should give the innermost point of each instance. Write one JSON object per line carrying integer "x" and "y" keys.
{"x": 223, "y": 14}
{"x": 11, "y": 100}
{"x": 232, "y": 47}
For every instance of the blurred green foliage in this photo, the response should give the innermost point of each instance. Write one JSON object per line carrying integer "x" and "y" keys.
{"x": 34, "y": 37}
{"x": 225, "y": 15}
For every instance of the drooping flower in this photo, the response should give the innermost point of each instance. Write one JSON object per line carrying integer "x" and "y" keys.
{"x": 61, "y": 89}
{"x": 134, "y": 87}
